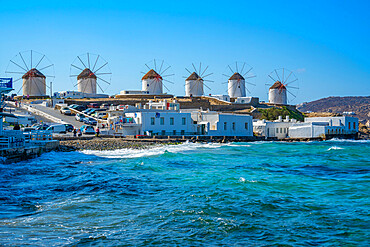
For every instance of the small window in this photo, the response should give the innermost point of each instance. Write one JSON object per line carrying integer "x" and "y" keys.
{"x": 182, "y": 132}
{"x": 172, "y": 121}
{"x": 152, "y": 120}
{"x": 174, "y": 132}
{"x": 284, "y": 130}
{"x": 183, "y": 121}
{"x": 225, "y": 125}
{"x": 162, "y": 120}
{"x": 277, "y": 130}
{"x": 246, "y": 126}
{"x": 349, "y": 125}
{"x": 163, "y": 132}
{"x": 233, "y": 125}
{"x": 281, "y": 130}
{"x": 354, "y": 125}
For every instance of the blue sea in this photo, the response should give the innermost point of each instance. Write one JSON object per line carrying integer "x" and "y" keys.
{"x": 192, "y": 194}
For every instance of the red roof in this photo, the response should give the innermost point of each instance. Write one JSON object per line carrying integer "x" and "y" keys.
{"x": 236, "y": 76}
{"x": 86, "y": 73}
{"x": 151, "y": 75}
{"x": 33, "y": 73}
{"x": 194, "y": 76}
{"x": 278, "y": 85}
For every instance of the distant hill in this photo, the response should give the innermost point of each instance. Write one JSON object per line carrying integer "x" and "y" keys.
{"x": 358, "y": 106}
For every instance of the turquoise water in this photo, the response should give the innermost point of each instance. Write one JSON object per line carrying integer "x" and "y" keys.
{"x": 238, "y": 194}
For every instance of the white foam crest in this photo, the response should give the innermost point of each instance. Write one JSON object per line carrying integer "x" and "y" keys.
{"x": 157, "y": 150}
{"x": 348, "y": 140}
{"x": 335, "y": 148}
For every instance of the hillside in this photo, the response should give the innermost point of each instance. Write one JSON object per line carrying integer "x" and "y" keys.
{"x": 360, "y": 106}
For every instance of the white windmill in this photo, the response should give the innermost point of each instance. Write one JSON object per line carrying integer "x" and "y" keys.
{"x": 239, "y": 74}
{"x": 194, "y": 83}
{"x": 90, "y": 69}
{"x": 284, "y": 82}
{"x": 33, "y": 68}
{"x": 152, "y": 81}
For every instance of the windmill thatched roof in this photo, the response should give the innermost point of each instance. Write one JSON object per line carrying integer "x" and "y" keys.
{"x": 151, "y": 75}
{"x": 236, "y": 76}
{"x": 33, "y": 73}
{"x": 86, "y": 73}
{"x": 194, "y": 76}
{"x": 278, "y": 85}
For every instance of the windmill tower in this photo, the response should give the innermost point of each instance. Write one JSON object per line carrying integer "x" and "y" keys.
{"x": 241, "y": 75}
{"x": 86, "y": 82}
{"x": 282, "y": 86}
{"x": 32, "y": 68}
{"x": 152, "y": 81}
{"x": 34, "y": 83}
{"x": 194, "y": 84}
{"x": 90, "y": 70}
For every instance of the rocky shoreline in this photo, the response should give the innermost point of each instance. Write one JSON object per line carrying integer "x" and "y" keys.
{"x": 103, "y": 144}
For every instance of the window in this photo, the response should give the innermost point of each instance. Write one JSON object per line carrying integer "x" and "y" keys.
{"x": 162, "y": 120}
{"x": 281, "y": 130}
{"x": 277, "y": 130}
{"x": 182, "y": 132}
{"x": 172, "y": 121}
{"x": 284, "y": 130}
{"x": 163, "y": 132}
{"x": 349, "y": 125}
{"x": 174, "y": 132}
{"x": 183, "y": 121}
{"x": 233, "y": 125}
{"x": 354, "y": 125}
{"x": 246, "y": 126}
{"x": 152, "y": 120}
{"x": 225, "y": 125}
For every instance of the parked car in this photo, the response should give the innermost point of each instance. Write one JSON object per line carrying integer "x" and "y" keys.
{"x": 80, "y": 108}
{"x": 72, "y": 106}
{"x": 28, "y": 129}
{"x": 90, "y": 110}
{"x": 93, "y": 105}
{"x": 79, "y": 117}
{"x": 104, "y": 106}
{"x": 41, "y": 126}
{"x": 58, "y": 128}
{"x": 89, "y": 120}
{"x": 65, "y": 111}
{"x": 101, "y": 115}
{"x": 87, "y": 129}
{"x": 69, "y": 127}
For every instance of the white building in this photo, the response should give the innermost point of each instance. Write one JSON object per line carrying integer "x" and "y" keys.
{"x": 152, "y": 82}
{"x": 236, "y": 86}
{"x": 86, "y": 82}
{"x": 194, "y": 85}
{"x": 273, "y": 129}
{"x": 311, "y": 128}
{"x": 164, "y": 118}
{"x": 133, "y": 92}
{"x": 323, "y": 126}
{"x": 278, "y": 94}
{"x": 78, "y": 95}
{"x": 34, "y": 83}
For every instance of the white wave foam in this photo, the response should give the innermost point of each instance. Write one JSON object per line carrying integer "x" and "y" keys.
{"x": 335, "y": 148}
{"x": 348, "y": 140}
{"x": 157, "y": 150}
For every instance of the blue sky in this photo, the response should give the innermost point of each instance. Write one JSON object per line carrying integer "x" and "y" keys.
{"x": 326, "y": 43}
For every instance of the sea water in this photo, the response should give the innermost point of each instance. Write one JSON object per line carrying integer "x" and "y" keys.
{"x": 236, "y": 194}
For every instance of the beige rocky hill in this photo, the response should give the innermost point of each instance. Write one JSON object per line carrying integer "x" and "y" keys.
{"x": 355, "y": 106}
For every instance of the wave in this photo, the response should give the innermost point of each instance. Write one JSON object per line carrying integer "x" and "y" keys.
{"x": 334, "y": 148}
{"x": 157, "y": 150}
{"x": 348, "y": 140}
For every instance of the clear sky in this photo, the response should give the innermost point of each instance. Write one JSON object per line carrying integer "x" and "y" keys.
{"x": 326, "y": 43}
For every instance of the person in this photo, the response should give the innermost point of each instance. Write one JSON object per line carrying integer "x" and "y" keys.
{"x": 74, "y": 132}
{"x": 16, "y": 127}
{"x": 79, "y": 132}
{"x": 97, "y": 131}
